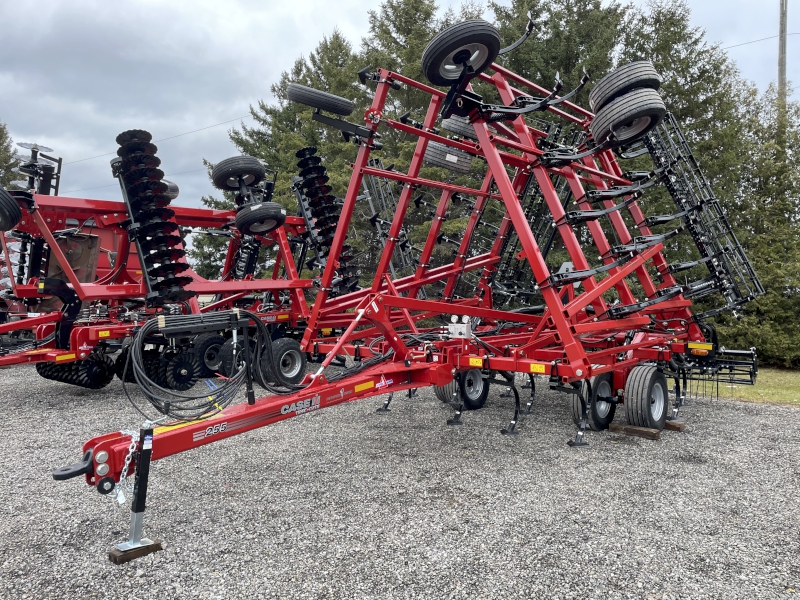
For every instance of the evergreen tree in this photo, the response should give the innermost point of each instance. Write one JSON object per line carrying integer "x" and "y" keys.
{"x": 7, "y": 160}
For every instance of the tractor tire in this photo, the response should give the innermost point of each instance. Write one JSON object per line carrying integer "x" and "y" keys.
{"x": 600, "y": 412}
{"x": 628, "y": 118}
{"x": 460, "y": 126}
{"x": 646, "y": 397}
{"x": 10, "y": 212}
{"x": 476, "y": 40}
{"x": 288, "y": 362}
{"x": 319, "y": 99}
{"x": 226, "y": 173}
{"x": 639, "y": 74}
{"x": 260, "y": 219}
{"x": 440, "y": 155}
{"x": 206, "y": 350}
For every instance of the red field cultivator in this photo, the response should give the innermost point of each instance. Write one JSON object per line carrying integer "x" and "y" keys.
{"x": 558, "y": 273}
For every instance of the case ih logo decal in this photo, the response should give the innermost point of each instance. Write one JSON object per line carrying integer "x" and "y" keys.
{"x": 302, "y": 406}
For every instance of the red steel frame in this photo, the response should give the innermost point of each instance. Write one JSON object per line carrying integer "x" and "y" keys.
{"x": 51, "y": 213}
{"x": 567, "y": 342}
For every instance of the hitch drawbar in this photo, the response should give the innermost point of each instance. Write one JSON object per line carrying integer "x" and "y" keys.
{"x": 82, "y": 467}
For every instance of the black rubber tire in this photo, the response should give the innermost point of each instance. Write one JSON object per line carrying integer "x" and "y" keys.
{"x": 460, "y": 126}
{"x": 646, "y": 397}
{"x": 445, "y": 392}
{"x": 173, "y": 190}
{"x": 440, "y": 155}
{"x": 639, "y": 74}
{"x": 10, "y": 212}
{"x": 226, "y": 173}
{"x": 318, "y": 99}
{"x": 260, "y": 219}
{"x": 479, "y": 38}
{"x": 288, "y": 362}
{"x": 629, "y": 118}
{"x": 119, "y": 366}
{"x": 226, "y": 355}
{"x": 474, "y": 389}
{"x": 206, "y": 349}
{"x": 600, "y": 413}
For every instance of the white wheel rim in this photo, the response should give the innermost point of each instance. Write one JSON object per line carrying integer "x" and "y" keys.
{"x": 473, "y": 384}
{"x": 632, "y": 128}
{"x": 657, "y": 401}
{"x": 265, "y": 225}
{"x": 290, "y": 364}
{"x": 450, "y": 70}
{"x": 601, "y": 407}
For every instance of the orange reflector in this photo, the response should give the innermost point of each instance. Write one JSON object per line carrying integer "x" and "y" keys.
{"x": 699, "y": 352}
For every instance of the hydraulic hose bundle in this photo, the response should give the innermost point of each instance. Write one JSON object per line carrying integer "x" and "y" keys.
{"x": 215, "y": 394}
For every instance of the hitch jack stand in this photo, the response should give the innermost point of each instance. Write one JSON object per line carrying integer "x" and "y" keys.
{"x": 137, "y": 546}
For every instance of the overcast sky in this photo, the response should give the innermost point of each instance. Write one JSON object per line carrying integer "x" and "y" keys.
{"x": 74, "y": 74}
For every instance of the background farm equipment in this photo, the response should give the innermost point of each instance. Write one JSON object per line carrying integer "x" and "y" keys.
{"x": 557, "y": 272}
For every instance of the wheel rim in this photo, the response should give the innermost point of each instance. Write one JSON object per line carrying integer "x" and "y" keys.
{"x": 233, "y": 181}
{"x": 290, "y": 364}
{"x": 632, "y": 128}
{"x": 451, "y": 70}
{"x": 473, "y": 384}
{"x": 211, "y": 357}
{"x": 266, "y": 225}
{"x": 657, "y": 401}
{"x": 601, "y": 407}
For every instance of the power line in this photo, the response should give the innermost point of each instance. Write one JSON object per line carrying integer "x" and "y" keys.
{"x": 113, "y": 184}
{"x": 161, "y": 140}
{"x": 772, "y": 37}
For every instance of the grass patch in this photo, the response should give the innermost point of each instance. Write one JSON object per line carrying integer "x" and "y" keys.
{"x": 773, "y": 386}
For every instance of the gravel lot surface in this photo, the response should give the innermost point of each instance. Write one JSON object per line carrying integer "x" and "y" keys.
{"x": 350, "y": 503}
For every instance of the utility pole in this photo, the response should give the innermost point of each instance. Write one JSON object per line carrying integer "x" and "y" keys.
{"x": 781, "y": 133}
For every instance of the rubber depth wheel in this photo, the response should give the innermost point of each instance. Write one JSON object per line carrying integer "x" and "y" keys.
{"x": 440, "y": 155}
{"x": 474, "y": 389}
{"x": 119, "y": 366}
{"x": 226, "y": 173}
{"x": 10, "y": 212}
{"x": 226, "y": 356}
{"x": 288, "y": 361}
{"x": 182, "y": 371}
{"x": 628, "y": 118}
{"x": 646, "y": 397}
{"x": 206, "y": 350}
{"x": 319, "y": 99}
{"x": 600, "y": 412}
{"x": 259, "y": 219}
{"x": 445, "y": 392}
{"x": 460, "y": 126}
{"x": 475, "y": 42}
{"x": 172, "y": 191}
{"x": 639, "y": 74}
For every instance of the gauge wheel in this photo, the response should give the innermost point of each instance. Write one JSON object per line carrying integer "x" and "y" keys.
{"x": 288, "y": 361}
{"x": 646, "y": 397}
{"x": 600, "y": 412}
{"x": 475, "y": 42}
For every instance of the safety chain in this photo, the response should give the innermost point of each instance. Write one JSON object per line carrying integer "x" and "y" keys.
{"x": 123, "y": 480}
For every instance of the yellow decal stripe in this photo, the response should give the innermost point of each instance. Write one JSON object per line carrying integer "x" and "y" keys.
{"x": 701, "y": 346}
{"x": 364, "y": 386}
{"x": 65, "y": 357}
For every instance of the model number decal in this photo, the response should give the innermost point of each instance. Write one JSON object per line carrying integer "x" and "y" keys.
{"x": 213, "y": 430}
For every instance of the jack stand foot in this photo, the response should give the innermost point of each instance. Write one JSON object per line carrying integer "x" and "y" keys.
{"x": 506, "y": 394}
{"x": 119, "y": 557}
{"x": 412, "y": 392}
{"x": 385, "y": 407}
{"x": 676, "y": 418}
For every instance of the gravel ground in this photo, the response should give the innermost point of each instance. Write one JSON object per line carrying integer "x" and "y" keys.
{"x": 350, "y": 503}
